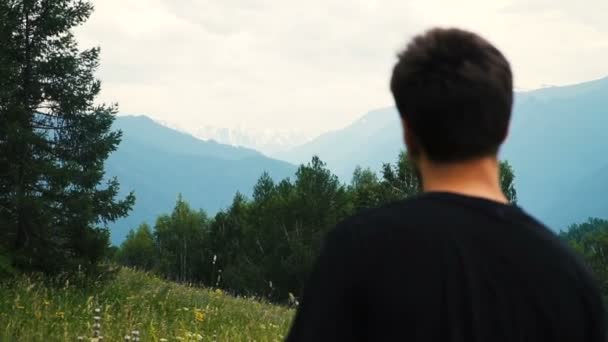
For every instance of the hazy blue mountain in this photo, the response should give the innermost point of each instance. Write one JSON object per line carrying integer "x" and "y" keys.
{"x": 371, "y": 141}
{"x": 557, "y": 146}
{"x": 146, "y": 131}
{"x": 158, "y": 163}
{"x": 587, "y": 198}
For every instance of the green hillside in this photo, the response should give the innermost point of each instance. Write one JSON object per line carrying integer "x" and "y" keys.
{"x": 32, "y": 311}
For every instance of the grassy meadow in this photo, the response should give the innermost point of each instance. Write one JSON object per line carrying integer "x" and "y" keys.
{"x": 133, "y": 300}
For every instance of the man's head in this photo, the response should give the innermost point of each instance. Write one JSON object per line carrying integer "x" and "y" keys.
{"x": 454, "y": 91}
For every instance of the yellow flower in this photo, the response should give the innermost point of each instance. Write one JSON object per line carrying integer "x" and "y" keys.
{"x": 60, "y": 314}
{"x": 219, "y": 292}
{"x": 46, "y": 302}
{"x": 199, "y": 315}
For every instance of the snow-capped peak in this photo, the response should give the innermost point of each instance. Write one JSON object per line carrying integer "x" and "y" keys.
{"x": 267, "y": 141}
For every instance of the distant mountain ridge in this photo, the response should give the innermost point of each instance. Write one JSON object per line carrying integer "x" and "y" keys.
{"x": 159, "y": 163}
{"x": 557, "y": 145}
{"x": 144, "y": 129}
{"x": 370, "y": 141}
{"x": 268, "y": 141}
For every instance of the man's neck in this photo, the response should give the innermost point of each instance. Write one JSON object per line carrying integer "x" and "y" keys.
{"x": 477, "y": 178}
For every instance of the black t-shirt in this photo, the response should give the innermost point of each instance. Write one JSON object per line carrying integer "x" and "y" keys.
{"x": 446, "y": 267}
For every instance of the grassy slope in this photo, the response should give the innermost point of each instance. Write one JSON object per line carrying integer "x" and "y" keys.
{"x": 30, "y": 311}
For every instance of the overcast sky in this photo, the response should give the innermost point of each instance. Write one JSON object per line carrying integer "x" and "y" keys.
{"x": 315, "y": 65}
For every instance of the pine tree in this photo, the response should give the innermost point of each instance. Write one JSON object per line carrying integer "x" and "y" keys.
{"x": 54, "y": 139}
{"x": 507, "y": 181}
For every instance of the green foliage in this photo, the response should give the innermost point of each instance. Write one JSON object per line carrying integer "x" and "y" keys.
{"x": 590, "y": 240}
{"x": 32, "y": 310}
{"x": 6, "y": 268}
{"x": 179, "y": 238}
{"x": 139, "y": 249}
{"x": 401, "y": 180}
{"x": 364, "y": 188}
{"x": 507, "y": 181}
{"x": 266, "y": 245}
{"x": 53, "y": 141}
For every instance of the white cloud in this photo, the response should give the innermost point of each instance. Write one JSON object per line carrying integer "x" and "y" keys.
{"x": 314, "y": 65}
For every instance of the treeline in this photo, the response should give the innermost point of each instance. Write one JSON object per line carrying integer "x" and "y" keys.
{"x": 590, "y": 240}
{"x": 266, "y": 245}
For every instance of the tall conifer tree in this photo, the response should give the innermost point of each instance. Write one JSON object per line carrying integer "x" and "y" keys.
{"x": 55, "y": 202}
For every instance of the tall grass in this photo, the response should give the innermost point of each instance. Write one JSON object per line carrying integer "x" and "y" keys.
{"x": 158, "y": 310}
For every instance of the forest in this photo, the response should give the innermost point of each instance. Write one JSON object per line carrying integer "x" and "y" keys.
{"x": 266, "y": 245}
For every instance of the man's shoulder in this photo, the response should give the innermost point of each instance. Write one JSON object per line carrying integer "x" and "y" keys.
{"x": 403, "y": 214}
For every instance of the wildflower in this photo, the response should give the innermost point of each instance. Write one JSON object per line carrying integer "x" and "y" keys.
{"x": 199, "y": 315}
{"x": 185, "y": 309}
{"x": 60, "y": 314}
{"x": 20, "y": 307}
{"x": 46, "y": 302}
{"x": 219, "y": 292}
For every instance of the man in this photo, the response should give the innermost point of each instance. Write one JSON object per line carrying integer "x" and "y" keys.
{"x": 457, "y": 263}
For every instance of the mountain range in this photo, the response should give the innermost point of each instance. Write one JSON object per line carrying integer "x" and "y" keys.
{"x": 158, "y": 163}
{"x": 371, "y": 141}
{"x": 268, "y": 141}
{"x": 557, "y": 146}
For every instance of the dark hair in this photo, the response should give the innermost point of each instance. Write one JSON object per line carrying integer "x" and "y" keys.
{"x": 455, "y": 92}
